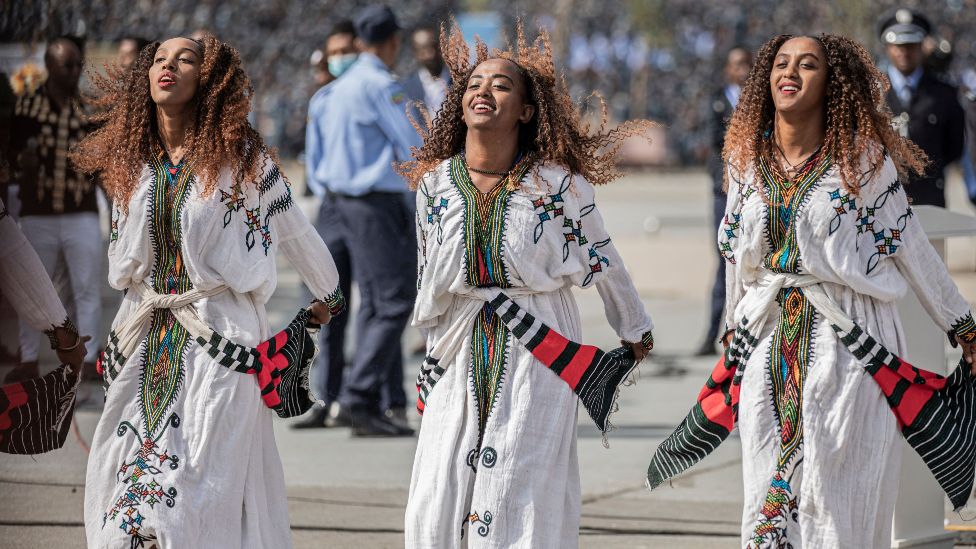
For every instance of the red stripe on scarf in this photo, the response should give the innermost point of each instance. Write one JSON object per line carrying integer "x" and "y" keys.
{"x": 713, "y": 400}
{"x": 550, "y": 348}
{"x": 914, "y": 397}
{"x": 574, "y": 371}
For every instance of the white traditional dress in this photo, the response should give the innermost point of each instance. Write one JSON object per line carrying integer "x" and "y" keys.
{"x": 184, "y": 452}
{"x": 820, "y": 444}
{"x": 496, "y": 463}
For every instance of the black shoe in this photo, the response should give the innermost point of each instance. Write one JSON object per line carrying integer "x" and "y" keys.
{"x": 397, "y": 416}
{"x": 338, "y": 416}
{"x": 370, "y": 425}
{"x": 706, "y": 349}
{"x": 316, "y": 418}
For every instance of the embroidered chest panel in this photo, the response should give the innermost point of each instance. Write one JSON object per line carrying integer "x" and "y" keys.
{"x": 786, "y": 198}
{"x": 167, "y": 340}
{"x": 484, "y": 226}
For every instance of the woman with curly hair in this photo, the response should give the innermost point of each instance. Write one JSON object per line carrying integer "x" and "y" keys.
{"x": 184, "y": 452}
{"x": 821, "y": 243}
{"x": 507, "y": 226}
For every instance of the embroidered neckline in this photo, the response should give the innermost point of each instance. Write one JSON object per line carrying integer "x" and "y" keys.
{"x": 786, "y": 199}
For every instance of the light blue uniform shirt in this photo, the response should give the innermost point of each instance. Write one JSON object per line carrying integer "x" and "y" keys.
{"x": 357, "y": 128}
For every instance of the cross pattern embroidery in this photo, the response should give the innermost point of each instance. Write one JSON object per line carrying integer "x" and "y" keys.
{"x": 435, "y": 213}
{"x": 886, "y": 240}
{"x": 597, "y": 260}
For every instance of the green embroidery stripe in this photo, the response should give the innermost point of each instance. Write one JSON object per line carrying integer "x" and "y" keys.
{"x": 484, "y": 235}
{"x": 785, "y": 200}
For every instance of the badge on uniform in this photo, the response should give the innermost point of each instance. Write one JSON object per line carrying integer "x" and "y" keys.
{"x": 397, "y": 98}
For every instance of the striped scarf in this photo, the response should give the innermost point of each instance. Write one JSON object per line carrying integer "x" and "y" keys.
{"x": 593, "y": 374}
{"x": 35, "y": 414}
{"x": 936, "y": 414}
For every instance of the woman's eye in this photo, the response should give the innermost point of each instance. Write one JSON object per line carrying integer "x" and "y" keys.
{"x": 185, "y": 60}
{"x": 808, "y": 66}
{"x": 781, "y": 65}
{"x": 159, "y": 60}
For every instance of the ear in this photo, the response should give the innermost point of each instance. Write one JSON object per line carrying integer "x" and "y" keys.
{"x": 528, "y": 111}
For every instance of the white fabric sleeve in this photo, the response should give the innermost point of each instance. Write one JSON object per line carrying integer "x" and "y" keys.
{"x": 729, "y": 232}
{"x": 922, "y": 267}
{"x": 303, "y": 246}
{"x": 25, "y": 282}
{"x": 621, "y": 302}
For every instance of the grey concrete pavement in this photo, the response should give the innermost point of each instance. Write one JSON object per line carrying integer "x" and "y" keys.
{"x": 346, "y": 492}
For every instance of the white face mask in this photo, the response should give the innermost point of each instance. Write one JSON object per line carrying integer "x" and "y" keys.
{"x": 339, "y": 64}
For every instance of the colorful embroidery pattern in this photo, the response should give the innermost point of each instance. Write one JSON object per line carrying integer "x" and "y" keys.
{"x": 779, "y": 511}
{"x": 597, "y": 261}
{"x": 489, "y": 349}
{"x": 789, "y": 356}
{"x": 965, "y": 329}
{"x": 254, "y": 221}
{"x": 786, "y": 198}
{"x": 141, "y": 485}
{"x": 335, "y": 301}
{"x": 436, "y": 207}
{"x": 483, "y": 520}
{"x": 484, "y": 224}
{"x": 551, "y": 207}
{"x": 731, "y": 225}
{"x": 885, "y": 240}
{"x": 163, "y": 355}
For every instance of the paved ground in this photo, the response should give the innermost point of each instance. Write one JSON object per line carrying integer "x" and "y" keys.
{"x": 346, "y": 492}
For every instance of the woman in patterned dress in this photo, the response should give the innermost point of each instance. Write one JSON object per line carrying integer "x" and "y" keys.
{"x": 184, "y": 453}
{"x": 505, "y": 203}
{"x": 821, "y": 243}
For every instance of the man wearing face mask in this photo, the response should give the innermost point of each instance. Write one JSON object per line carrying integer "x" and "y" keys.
{"x": 340, "y": 53}
{"x": 358, "y": 128}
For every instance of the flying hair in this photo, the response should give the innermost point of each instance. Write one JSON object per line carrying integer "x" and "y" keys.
{"x": 556, "y": 134}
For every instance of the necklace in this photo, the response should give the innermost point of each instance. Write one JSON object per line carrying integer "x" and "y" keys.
{"x": 485, "y": 172}
{"x": 792, "y": 169}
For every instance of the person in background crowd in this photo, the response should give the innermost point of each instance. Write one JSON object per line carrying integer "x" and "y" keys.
{"x": 926, "y": 110}
{"x": 969, "y": 169}
{"x": 366, "y": 130}
{"x": 738, "y": 62}
{"x": 340, "y": 54}
{"x": 427, "y": 86}
{"x": 59, "y": 212}
{"x": 129, "y": 48}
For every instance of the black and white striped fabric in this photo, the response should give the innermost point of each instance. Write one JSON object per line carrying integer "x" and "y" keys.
{"x": 593, "y": 374}
{"x": 280, "y": 364}
{"x": 35, "y": 415}
{"x": 936, "y": 415}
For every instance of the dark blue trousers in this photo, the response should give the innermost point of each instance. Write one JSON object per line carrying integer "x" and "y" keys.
{"x": 718, "y": 285}
{"x": 378, "y": 229}
{"x": 331, "y": 362}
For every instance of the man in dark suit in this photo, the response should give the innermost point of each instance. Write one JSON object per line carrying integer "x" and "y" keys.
{"x": 429, "y": 84}
{"x": 925, "y": 109}
{"x": 738, "y": 63}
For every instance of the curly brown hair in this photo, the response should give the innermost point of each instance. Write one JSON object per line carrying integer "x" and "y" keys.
{"x": 556, "y": 134}
{"x": 857, "y": 119}
{"x": 219, "y": 135}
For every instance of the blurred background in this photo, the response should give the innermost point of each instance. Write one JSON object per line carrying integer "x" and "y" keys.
{"x": 660, "y": 59}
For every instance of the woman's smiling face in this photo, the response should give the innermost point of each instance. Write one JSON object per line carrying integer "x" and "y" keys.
{"x": 495, "y": 98}
{"x": 798, "y": 79}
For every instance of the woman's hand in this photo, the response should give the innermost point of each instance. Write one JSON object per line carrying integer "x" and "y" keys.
{"x": 640, "y": 351}
{"x": 727, "y": 339}
{"x": 968, "y": 352}
{"x": 320, "y": 313}
{"x": 71, "y": 347}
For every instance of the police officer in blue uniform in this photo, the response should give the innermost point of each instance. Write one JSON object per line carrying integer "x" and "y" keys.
{"x": 925, "y": 109}
{"x": 330, "y": 365}
{"x": 364, "y": 131}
